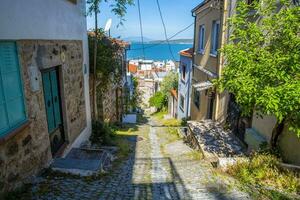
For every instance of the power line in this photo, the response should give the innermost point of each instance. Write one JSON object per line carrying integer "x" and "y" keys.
{"x": 184, "y": 29}
{"x": 141, "y": 28}
{"x": 165, "y": 29}
{"x": 159, "y": 43}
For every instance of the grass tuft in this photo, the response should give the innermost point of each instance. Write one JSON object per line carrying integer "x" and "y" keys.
{"x": 263, "y": 172}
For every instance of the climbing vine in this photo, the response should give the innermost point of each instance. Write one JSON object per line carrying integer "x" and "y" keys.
{"x": 109, "y": 59}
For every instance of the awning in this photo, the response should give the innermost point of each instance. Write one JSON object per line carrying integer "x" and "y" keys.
{"x": 203, "y": 85}
{"x": 209, "y": 73}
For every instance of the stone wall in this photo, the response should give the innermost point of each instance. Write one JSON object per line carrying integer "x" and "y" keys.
{"x": 26, "y": 151}
{"x": 110, "y": 104}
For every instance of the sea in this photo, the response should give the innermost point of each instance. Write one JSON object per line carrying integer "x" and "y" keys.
{"x": 156, "y": 51}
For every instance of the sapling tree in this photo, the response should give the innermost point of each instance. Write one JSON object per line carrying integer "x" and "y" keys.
{"x": 263, "y": 62}
{"x": 119, "y": 8}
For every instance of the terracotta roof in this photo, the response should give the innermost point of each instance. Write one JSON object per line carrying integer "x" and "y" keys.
{"x": 132, "y": 68}
{"x": 187, "y": 52}
{"x": 122, "y": 43}
{"x": 174, "y": 93}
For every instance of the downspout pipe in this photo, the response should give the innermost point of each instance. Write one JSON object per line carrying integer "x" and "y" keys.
{"x": 224, "y": 15}
{"x": 188, "y": 114}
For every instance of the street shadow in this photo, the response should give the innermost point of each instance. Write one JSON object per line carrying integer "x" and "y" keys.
{"x": 166, "y": 182}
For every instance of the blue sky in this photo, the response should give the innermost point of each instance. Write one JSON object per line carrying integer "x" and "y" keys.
{"x": 177, "y": 15}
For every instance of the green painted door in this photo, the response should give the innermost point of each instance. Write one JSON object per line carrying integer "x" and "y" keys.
{"x": 52, "y": 100}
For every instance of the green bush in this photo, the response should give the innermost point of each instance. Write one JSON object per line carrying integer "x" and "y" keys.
{"x": 184, "y": 121}
{"x": 263, "y": 170}
{"x": 102, "y": 133}
{"x": 159, "y": 100}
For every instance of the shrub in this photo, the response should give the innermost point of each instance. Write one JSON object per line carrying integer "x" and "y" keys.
{"x": 158, "y": 100}
{"x": 263, "y": 170}
{"x": 102, "y": 133}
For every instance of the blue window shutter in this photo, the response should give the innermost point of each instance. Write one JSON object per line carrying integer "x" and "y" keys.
{"x": 48, "y": 101}
{"x": 4, "y": 126}
{"x": 55, "y": 98}
{"x": 199, "y": 42}
{"x": 217, "y": 36}
{"x": 212, "y": 38}
{"x": 12, "y": 107}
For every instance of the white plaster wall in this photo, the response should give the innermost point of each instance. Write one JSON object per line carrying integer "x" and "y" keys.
{"x": 48, "y": 20}
{"x": 42, "y": 19}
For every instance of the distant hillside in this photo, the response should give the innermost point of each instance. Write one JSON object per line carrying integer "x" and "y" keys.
{"x": 136, "y": 39}
{"x": 177, "y": 41}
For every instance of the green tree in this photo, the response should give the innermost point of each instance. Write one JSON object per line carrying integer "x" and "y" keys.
{"x": 119, "y": 9}
{"x": 263, "y": 62}
{"x": 159, "y": 100}
{"x": 169, "y": 82}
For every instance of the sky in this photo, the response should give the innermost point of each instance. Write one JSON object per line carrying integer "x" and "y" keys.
{"x": 177, "y": 15}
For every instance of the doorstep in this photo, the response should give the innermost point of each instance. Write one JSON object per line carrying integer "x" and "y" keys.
{"x": 84, "y": 162}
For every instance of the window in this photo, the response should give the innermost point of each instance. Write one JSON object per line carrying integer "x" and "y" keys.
{"x": 183, "y": 72}
{"x": 215, "y": 38}
{"x": 201, "y": 39}
{"x": 249, "y": 2}
{"x": 12, "y": 108}
{"x": 197, "y": 98}
{"x": 296, "y": 2}
{"x": 181, "y": 103}
{"x": 73, "y": 1}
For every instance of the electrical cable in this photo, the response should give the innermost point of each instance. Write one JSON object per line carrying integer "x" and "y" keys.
{"x": 159, "y": 43}
{"x": 165, "y": 29}
{"x": 141, "y": 28}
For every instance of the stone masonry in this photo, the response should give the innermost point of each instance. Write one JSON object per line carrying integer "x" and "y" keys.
{"x": 26, "y": 151}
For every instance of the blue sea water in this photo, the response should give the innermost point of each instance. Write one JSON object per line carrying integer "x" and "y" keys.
{"x": 158, "y": 52}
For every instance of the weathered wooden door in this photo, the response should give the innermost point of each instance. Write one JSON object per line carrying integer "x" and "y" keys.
{"x": 53, "y": 108}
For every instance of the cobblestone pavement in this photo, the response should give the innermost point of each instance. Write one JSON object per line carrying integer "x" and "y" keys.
{"x": 154, "y": 170}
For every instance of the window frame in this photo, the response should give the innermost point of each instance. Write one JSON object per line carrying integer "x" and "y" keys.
{"x": 201, "y": 38}
{"x": 197, "y": 103}
{"x": 182, "y": 100}
{"x": 183, "y": 72}
{"x": 215, "y": 37}
{"x": 12, "y": 128}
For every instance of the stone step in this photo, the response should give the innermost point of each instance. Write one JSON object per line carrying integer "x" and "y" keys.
{"x": 69, "y": 163}
{"x": 83, "y": 162}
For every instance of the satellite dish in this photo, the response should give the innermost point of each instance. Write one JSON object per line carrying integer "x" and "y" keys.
{"x": 108, "y": 25}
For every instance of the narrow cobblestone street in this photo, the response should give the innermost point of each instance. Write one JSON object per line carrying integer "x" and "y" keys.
{"x": 159, "y": 167}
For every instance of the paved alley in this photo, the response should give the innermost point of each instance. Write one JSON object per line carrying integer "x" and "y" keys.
{"x": 159, "y": 168}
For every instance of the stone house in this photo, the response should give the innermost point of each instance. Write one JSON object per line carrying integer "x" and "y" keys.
{"x": 44, "y": 99}
{"x": 184, "y": 83}
{"x": 209, "y": 36}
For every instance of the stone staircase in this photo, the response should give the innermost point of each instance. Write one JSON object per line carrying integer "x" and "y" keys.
{"x": 218, "y": 146}
{"x": 85, "y": 161}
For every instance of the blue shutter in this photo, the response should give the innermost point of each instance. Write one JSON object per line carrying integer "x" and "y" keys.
{"x": 55, "y": 98}
{"x": 217, "y": 36}
{"x": 213, "y": 38}
{"x": 12, "y": 108}
{"x": 200, "y": 38}
{"x": 4, "y": 126}
{"x": 48, "y": 102}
